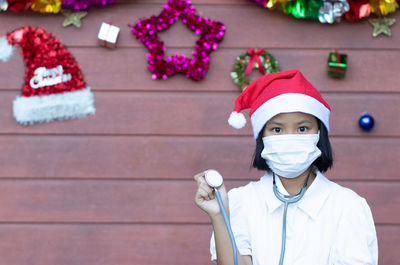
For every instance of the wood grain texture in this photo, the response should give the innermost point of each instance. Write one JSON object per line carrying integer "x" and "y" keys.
{"x": 160, "y": 113}
{"x": 104, "y": 244}
{"x": 129, "y": 244}
{"x": 103, "y": 70}
{"x": 142, "y": 201}
{"x": 175, "y": 157}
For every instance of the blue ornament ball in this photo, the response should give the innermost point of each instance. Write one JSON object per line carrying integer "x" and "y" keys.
{"x": 366, "y": 122}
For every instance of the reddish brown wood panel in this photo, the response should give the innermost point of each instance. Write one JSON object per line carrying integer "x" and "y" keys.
{"x": 388, "y": 251}
{"x": 133, "y": 73}
{"x": 132, "y": 157}
{"x": 129, "y": 244}
{"x": 175, "y": 157}
{"x": 104, "y": 244}
{"x": 160, "y": 113}
{"x": 256, "y": 26}
{"x": 143, "y": 201}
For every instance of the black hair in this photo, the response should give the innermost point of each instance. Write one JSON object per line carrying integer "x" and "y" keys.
{"x": 323, "y": 163}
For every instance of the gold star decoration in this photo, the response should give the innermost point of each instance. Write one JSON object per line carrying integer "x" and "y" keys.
{"x": 382, "y": 25}
{"x": 73, "y": 18}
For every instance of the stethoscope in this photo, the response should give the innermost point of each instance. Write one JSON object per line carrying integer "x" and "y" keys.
{"x": 287, "y": 199}
{"x": 214, "y": 180}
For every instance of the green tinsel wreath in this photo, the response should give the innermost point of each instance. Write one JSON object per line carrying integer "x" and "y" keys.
{"x": 268, "y": 62}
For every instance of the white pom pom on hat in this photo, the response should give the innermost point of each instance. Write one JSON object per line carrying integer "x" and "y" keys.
{"x": 6, "y": 50}
{"x": 276, "y": 93}
{"x": 237, "y": 120}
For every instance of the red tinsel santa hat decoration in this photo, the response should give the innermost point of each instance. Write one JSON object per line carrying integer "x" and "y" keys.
{"x": 277, "y": 93}
{"x": 54, "y": 87}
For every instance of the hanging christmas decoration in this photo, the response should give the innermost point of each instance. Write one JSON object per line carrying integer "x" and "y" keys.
{"x": 337, "y": 64}
{"x": 358, "y": 9}
{"x": 195, "y": 68}
{"x": 329, "y": 11}
{"x": 54, "y": 6}
{"x": 19, "y": 5}
{"x": 108, "y": 35}
{"x": 54, "y": 87}
{"x": 382, "y": 26}
{"x": 76, "y": 5}
{"x": 73, "y": 18}
{"x": 383, "y": 7}
{"x": 46, "y": 6}
{"x": 302, "y": 8}
{"x": 366, "y": 122}
{"x": 332, "y": 11}
{"x": 258, "y": 59}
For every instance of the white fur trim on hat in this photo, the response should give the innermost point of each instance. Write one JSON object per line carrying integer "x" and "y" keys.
{"x": 6, "y": 50}
{"x": 237, "y": 120}
{"x": 285, "y": 103}
{"x": 67, "y": 105}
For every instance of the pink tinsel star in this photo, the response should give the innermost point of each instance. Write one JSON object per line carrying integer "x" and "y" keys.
{"x": 211, "y": 33}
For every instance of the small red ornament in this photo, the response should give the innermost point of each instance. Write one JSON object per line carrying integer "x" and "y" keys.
{"x": 358, "y": 10}
{"x": 19, "y": 5}
{"x": 195, "y": 68}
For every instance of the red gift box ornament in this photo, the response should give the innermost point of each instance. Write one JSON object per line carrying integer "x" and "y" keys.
{"x": 108, "y": 35}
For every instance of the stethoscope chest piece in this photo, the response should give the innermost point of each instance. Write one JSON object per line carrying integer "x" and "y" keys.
{"x": 213, "y": 178}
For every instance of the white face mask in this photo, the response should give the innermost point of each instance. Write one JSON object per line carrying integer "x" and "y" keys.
{"x": 289, "y": 155}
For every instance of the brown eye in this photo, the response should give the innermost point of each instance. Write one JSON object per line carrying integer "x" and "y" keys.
{"x": 277, "y": 130}
{"x": 302, "y": 129}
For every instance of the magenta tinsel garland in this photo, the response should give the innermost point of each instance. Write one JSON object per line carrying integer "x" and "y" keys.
{"x": 211, "y": 33}
{"x": 83, "y": 4}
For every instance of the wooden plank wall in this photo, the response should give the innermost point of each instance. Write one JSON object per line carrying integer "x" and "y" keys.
{"x": 117, "y": 188}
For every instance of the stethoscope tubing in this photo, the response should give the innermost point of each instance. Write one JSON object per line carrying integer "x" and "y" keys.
{"x": 228, "y": 226}
{"x": 287, "y": 199}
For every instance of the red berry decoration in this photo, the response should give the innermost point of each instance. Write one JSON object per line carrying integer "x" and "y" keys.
{"x": 195, "y": 68}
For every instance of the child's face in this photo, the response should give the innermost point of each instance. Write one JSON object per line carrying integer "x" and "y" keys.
{"x": 291, "y": 123}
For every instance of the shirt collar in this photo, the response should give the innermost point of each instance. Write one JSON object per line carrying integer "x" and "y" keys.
{"x": 311, "y": 203}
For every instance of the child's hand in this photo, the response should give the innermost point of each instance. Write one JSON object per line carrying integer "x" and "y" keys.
{"x": 205, "y": 198}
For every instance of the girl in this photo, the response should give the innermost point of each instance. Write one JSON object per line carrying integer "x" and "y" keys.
{"x": 293, "y": 215}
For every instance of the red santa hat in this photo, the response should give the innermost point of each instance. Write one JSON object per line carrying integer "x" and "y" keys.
{"x": 277, "y": 93}
{"x": 54, "y": 87}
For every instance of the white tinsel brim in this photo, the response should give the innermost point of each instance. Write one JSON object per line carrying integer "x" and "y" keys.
{"x": 67, "y": 105}
{"x": 6, "y": 50}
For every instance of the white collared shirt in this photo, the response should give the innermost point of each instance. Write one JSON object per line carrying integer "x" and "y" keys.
{"x": 330, "y": 225}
